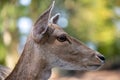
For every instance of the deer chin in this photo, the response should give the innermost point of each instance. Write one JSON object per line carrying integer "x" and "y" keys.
{"x": 83, "y": 68}
{"x": 93, "y": 67}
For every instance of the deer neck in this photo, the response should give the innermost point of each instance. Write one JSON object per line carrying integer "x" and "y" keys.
{"x": 31, "y": 65}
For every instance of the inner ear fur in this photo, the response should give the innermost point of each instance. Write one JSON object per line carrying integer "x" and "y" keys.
{"x": 55, "y": 18}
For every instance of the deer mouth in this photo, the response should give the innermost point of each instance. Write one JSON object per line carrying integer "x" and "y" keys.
{"x": 95, "y": 65}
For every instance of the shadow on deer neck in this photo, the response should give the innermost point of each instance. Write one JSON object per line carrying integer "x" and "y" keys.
{"x": 32, "y": 65}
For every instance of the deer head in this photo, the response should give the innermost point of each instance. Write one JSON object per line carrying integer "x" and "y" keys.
{"x": 59, "y": 48}
{"x": 50, "y": 46}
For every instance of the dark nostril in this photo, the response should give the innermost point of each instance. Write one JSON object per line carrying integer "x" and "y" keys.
{"x": 101, "y": 57}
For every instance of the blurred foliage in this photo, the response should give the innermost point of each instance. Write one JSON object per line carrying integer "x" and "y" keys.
{"x": 89, "y": 21}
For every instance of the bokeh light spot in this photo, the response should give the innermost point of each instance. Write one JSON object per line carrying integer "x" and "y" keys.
{"x": 25, "y": 2}
{"x": 63, "y": 22}
{"x": 24, "y": 24}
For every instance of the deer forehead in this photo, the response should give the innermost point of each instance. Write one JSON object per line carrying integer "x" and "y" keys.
{"x": 55, "y": 26}
{"x": 57, "y": 29}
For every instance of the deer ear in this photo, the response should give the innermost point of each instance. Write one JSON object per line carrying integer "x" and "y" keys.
{"x": 55, "y": 18}
{"x": 41, "y": 25}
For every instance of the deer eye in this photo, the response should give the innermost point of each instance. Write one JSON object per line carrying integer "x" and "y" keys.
{"x": 62, "y": 38}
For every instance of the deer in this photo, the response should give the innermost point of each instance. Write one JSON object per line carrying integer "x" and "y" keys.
{"x": 49, "y": 46}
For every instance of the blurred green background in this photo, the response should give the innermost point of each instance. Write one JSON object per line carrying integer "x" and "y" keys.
{"x": 94, "y": 22}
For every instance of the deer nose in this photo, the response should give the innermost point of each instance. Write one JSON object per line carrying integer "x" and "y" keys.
{"x": 101, "y": 57}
